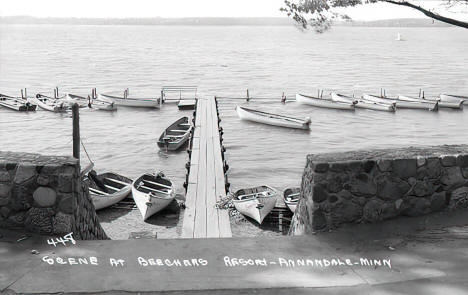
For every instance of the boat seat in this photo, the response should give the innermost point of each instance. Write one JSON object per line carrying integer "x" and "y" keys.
{"x": 153, "y": 190}
{"x": 168, "y": 136}
{"x": 178, "y": 130}
{"x": 117, "y": 181}
{"x": 112, "y": 188}
{"x": 184, "y": 124}
{"x": 159, "y": 184}
{"x": 98, "y": 191}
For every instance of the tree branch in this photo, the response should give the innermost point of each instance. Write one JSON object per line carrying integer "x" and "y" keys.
{"x": 430, "y": 14}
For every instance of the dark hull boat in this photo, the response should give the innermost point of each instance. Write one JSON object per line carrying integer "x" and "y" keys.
{"x": 176, "y": 135}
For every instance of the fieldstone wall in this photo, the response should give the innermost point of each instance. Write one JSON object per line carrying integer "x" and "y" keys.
{"x": 45, "y": 195}
{"x": 371, "y": 186}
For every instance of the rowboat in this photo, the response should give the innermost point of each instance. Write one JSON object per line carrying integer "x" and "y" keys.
{"x": 403, "y": 103}
{"x": 447, "y": 104}
{"x": 453, "y": 98}
{"x": 175, "y": 135}
{"x": 99, "y": 104}
{"x": 130, "y": 102}
{"x": 16, "y": 103}
{"x": 272, "y": 119}
{"x": 291, "y": 197}
{"x": 49, "y": 103}
{"x": 108, "y": 188}
{"x": 364, "y": 104}
{"x": 71, "y": 99}
{"x": 255, "y": 202}
{"x": 152, "y": 193}
{"x": 324, "y": 102}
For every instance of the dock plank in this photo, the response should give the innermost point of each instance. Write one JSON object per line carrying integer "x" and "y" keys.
{"x": 212, "y": 212}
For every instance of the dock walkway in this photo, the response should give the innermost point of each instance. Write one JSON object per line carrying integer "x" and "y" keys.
{"x": 206, "y": 182}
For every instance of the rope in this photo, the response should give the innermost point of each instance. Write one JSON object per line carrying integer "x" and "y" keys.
{"x": 89, "y": 158}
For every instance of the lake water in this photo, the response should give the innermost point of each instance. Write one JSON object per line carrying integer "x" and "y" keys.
{"x": 225, "y": 61}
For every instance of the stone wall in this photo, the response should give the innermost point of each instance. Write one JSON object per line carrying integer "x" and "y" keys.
{"x": 45, "y": 195}
{"x": 371, "y": 186}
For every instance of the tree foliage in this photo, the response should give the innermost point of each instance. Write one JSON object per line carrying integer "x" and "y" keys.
{"x": 318, "y": 14}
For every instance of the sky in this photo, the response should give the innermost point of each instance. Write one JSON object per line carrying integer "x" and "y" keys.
{"x": 192, "y": 8}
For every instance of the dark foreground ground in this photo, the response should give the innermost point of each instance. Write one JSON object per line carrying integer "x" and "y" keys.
{"x": 428, "y": 255}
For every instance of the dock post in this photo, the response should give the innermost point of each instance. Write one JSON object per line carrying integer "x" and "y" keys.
{"x": 76, "y": 131}
{"x": 248, "y": 97}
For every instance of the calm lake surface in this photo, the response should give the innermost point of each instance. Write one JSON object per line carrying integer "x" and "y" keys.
{"x": 225, "y": 61}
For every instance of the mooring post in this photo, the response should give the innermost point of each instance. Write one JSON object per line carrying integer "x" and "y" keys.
{"x": 76, "y": 131}
{"x": 248, "y": 97}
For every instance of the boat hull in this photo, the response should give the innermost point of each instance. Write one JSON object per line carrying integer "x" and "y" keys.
{"x": 257, "y": 207}
{"x": 130, "y": 102}
{"x": 403, "y": 104}
{"x": 272, "y": 119}
{"x": 323, "y": 103}
{"x": 150, "y": 202}
{"x": 16, "y": 104}
{"x": 172, "y": 139}
{"x": 291, "y": 198}
{"x": 100, "y": 200}
{"x": 363, "y": 104}
{"x": 49, "y": 104}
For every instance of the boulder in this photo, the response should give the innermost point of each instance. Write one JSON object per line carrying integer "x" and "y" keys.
{"x": 319, "y": 193}
{"x": 62, "y": 223}
{"x": 391, "y": 188}
{"x": 24, "y": 172}
{"x": 384, "y": 165}
{"x": 448, "y": 160}
{"x": 438, "y": 201}
{"x": 362, "y": 185}
{"x": 65, "y": 183}
{"x": 43, "y": 180}
{"x": 452, "y": 177}
{"x": 372, "y": 211}
{"x": 345, "y": 212}
{"x": 404, "y": 168}
{"x": 39, "y": 220}
{"x": 67, "y": 204}
{"x": 459, "y": 198}
{"x": 423, "y": 188}
{"x": 418, "y": 207}
{"x": 44, "y": 197}
{"x": 462, "y": 161}
{"x": 431, "y": 170}
{"x": 319, "y": 221}
{"x": 4, "y": 176}
{"x": 420, "y": 161}
{"x": 321, "y": 167}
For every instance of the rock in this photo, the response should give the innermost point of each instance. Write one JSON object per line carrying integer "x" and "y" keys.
{"x": 4, "y": 176}
{"x": 448, "y": 160}
{"x": 65, "y": 183}
{"x": 345, "y": 212}
{"x": 24, "y": 172}
{"x": 420, "y": 161}
{"x": 332, "y": 198}
{"x": 462, "y": 161}
{"x": 431, "y": 170}
{"x": 362, "y": 186}
{"x": 438, "y": 201}
{"x": 452, "y": 177}
{"x": 5, "y": 212}
{"x": 319, "y": 221}
{"x": 372, "y": 211}
{"x": 67, "y": 204}
{"x": 22, "y": 199}
{"x": 354, "y": 166}
{"x": 337, "y": 167}
{"x": 334, "y": 182}
{"x": 367, "y": 166}
{"x": 62, "y": 223}
{"x": 361, "y": 201}
{"x": 389, "y": 210}
{"x": 321, "y": 167}
{"x": 344, "y": 194}
{"x": 418, "y": 207}
{"x": 43, "y": 180}
{"x": 44, "y": 197}
{"x": 17, "y": 218}
{"x": 404, "y": 168}
{"x": 398, "y": 203}
{"x": 391, "y": 188}
{"x": 423, "y": 188}
{"x": 459, "y": 198}
{"x": 384, "y": 165}
{"x": 465, "y": 172}
{"x": 319, "y": 193}
{"x": 39, "y": 220}
{"x": 4, "y": 190}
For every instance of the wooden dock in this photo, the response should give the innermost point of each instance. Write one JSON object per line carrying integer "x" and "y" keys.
{"x": 206, "y": 181}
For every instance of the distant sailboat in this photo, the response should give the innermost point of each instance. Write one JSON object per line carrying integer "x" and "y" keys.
{"x": 399, "y": 38}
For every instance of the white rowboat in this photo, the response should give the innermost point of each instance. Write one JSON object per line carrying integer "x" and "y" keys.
{"x": 108, "y": 189}
{"x": 152, "y": 193}
{"x": 272, "y": 119}
{"x": 324, "y": 102}
{"x": 364, "y": 104}
{"x": 176, "y": 135}
{"x": 447, "y": 104}
{"x": 403, "y": 104}
{"x": 130, "y": 102}
{"x": 255, "y": 202}
{"x": 291, "y": 197}
{"x": 16, "y": 103}
{"x": 453, "y": 98}
{"x": 49, "y": 104}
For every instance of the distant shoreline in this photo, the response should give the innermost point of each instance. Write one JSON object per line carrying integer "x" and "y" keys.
{"x": 211, "y": 21}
